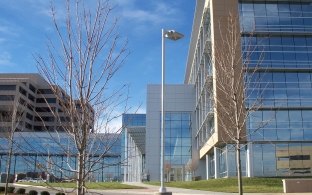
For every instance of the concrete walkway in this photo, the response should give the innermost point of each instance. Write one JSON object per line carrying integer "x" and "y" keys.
{"x": 180, "y": 191}
{"x": 148, "y": 190}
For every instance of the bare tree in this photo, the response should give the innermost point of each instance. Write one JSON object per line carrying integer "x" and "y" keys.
{"x": 191, "y": 166}
{"x": 234, "y": 72}
{"x": 79, "y": 68}
{"x": 167, "y": 170}
{"x": 10, "y": 117}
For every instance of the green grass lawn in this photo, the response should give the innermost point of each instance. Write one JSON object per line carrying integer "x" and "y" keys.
{"x": 251, "y": 185}
{"x": 91, "y": 185}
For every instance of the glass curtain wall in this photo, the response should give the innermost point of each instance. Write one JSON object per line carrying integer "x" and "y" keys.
{"x": 35, "y": 156}
{"x": 177, "y": 144}
{"x": 131, "y": 156}
{"x": 278, "y": 34}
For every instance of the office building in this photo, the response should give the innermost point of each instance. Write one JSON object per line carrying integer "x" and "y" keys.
{"x": 133, "y": 148}
{"x": 141, "y": 136}
{"x": 179, "y": 104}
{"x": 41, "y": 145}
{"x": 280, "y": 33}
{"x": 273, "y": 50}
{"x": 51, "y": 156}
{"x": 35, "y": 102}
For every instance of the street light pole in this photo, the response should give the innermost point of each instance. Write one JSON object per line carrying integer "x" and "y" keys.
{"x": 172, "y": 35}
{"x": 162, "y": 136}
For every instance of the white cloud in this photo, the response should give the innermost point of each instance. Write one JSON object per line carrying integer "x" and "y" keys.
{"x": 124, "y": 3}
{"x": 142, "y": 16}
{"x": 164, "y": 9}
{"x": 115, "y": 125}
{"x": 8, "y": 29}
{"x": 159, "y": 13}
{"x": 4, "y": 29}
{"x": 5, "y": 59}
{"x": 145, "y": 18}
{"x": 2, "y": 40}
{"x": 141, "y": 110}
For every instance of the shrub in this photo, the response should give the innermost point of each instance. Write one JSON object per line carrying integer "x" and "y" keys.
{"x": 21, "y": 191}
{"x": 44, "y": 193}
{"x": 2, "y": 189}
{"x": 59, "y": 193}
{"x": 11, "y": 189}
{"x": 32, "y": 192}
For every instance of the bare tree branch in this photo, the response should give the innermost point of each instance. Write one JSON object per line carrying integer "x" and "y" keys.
{"x": 79, "y": 69}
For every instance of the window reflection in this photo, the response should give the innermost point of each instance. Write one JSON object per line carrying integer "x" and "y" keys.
{"x": 177, "y": 143}
{"x": 283, "y": 87}
{"x": 285, "y": 125}
{"x": 281, "y": 16}
{"x": 41, "y": 155}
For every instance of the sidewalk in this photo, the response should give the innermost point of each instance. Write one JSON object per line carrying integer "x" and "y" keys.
{"x": 181, "y": 191}
{"x": 150, "y": 190}
{"x": 178, "y": 191}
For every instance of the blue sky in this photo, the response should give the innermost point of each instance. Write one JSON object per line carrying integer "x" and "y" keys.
{"x": 25, "y": 25}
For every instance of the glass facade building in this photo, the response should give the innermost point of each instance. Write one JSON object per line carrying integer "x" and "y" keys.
{"x": 132, "y": 120}
{"x": 178, "y": 132}
{"x": 276, "y": 39}
{"x": 281, "y": 131}
{"x": 53, "y": 157}
{"x": 178, "y": 147}
{"x": 133, "y": 148}
{"x": 177, "y": 153}
{"x": 276, "y": 42}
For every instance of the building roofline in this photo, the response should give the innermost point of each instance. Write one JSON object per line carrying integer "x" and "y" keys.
{"x": 35, "y": 77}
{"x": 199, "y": 9}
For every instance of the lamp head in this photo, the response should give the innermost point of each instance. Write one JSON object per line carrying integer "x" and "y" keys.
{"x": 173, "y": 35}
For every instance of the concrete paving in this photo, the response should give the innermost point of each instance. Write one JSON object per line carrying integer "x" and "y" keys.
{"x": 148, "y": 190}
{"x": 180, "y": 191}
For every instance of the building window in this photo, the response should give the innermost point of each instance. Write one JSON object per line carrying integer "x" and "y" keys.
{"x": 31, "y": 97}
{"x": 29, "y": 116}
{"x": 32, "y": 88}
{"x": 28, "y": 126}
{"x": 22, "y": 101}
{"x": 30, "y": 107}
{"x": 44, "y": 118}
{"x": 44, "y": 109}
{"x": 6, "y": 97}
{"x": 64, "y": 119}
{"x": 46, "y": 100}
{"x": 5, "y": 116}
{"x": 45, "y": 91}
{"x": 7, "y": 87}
{"x": 22, "y": 91}
{"x": 178, "y": 138}
{"x": 38, "y": 128}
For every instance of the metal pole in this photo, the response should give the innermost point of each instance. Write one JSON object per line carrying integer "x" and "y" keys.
{"x": 162, "y": 187}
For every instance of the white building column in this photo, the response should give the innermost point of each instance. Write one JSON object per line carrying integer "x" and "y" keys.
{"x": 216, "y": 162}
{"x": 131, "y": 175}
{"x": 126, "y": 149}
{"x": 227, "y": 161}
{"x": 207, "y": 167}
{"x": 249, "y": 160}
{"x": 129, "y": 159}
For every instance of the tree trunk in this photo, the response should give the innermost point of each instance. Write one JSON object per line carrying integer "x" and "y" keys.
{"x": 80, "y": 179}
{"x": 239, "y": 169}
{"x": 8, "y": 165}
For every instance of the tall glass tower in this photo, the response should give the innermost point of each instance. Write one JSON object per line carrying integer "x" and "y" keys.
{"x": 279, "y": 133}
{"x": 282, "y": 31}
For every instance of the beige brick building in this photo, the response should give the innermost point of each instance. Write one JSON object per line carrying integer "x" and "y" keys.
{"x": 36, "y": 103}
